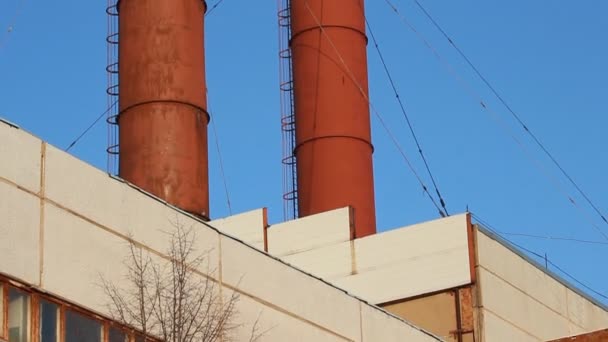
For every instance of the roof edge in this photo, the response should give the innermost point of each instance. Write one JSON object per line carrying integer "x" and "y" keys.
{"x": 509, "y": 245}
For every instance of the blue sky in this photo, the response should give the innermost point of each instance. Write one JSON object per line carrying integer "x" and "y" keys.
{"x": 547, "y": 58}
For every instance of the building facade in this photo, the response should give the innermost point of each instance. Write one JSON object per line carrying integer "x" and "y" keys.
{"x": 65, "y": 223}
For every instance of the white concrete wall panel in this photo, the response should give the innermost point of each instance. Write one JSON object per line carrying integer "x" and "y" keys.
{"x": 329, "y": 262}
{"x": 396, "y": 264}
{"x": 247, "y": 227}
{"x": 20, "y": 155}
{"x": 88, "y": 191}
{"x": 523, "y": 275}
{"x": 408, "y": 278}
{"x": 88, "y": 217}
{"x": 19, "y": 233}
{"x": 521, "y": 310}
{"x": 309, "y": 232}
{"x": 415, "y": 260}
{"x": 110, "y": 203}
{"x": 76, "y": 255}
{"x": 521, "y": 293}
{"x": 276, "y": 326}
{"x": 496, "y": 329}
{"x": 585, "y": 314}
{"x": 287, "y": 288}
{"x": 379, "y": 326}
{"x": 417, "y": 241}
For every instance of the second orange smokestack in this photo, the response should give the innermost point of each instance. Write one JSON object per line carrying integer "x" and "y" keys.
{"x": 163, "y": 104}
{"x": 333, "y": 135}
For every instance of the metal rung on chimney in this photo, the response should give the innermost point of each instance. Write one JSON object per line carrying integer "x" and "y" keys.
{"x": 288, "y": 124}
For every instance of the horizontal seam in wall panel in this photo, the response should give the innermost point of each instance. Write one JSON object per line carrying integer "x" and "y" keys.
{"x": 529, "y": 296}
{"x": 61, "y": 301}
{"x": 425, "y": 295}
{"x": 337, "y": 276}
{"x": 288, "y": 313}
{"x": 36, "y": 196}
{"x": 349, "y": 276}
{"x": 120, "y": 235}
{"x": 414, "y": 258}
{"x": 510, "y": 323}
{"x": 308, "y": 249}
{"x": 9, "y": 182}
{"x": 157, "y": 253}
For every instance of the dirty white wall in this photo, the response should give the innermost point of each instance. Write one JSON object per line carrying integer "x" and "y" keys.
{"x": 521, "y": 302}
{"x": 63, "y": 223}
{"x": 392, "y": 265}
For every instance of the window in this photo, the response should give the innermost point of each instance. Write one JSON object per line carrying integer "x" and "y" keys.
{"x": 117, "y": 335}
{"x": 49, "y": 322}
{"x": 80, "y": 328}
{"x": 1, "y": 311}
{"x": 26, "y": 315}
{"x": 18, "y": 315}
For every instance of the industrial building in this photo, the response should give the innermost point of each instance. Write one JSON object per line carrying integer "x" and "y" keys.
{"x": 66, "y": 222}
{"x": 324, "y": 276}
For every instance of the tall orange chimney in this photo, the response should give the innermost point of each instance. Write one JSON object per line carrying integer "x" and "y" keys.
{"x": 163, "y": 105}
{"x": 333, "y": 135}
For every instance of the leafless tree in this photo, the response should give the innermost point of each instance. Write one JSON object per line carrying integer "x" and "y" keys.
{"x": 168, "y": 298}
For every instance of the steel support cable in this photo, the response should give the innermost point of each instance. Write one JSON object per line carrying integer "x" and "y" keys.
{"x": 546, "y": 237}
{"x": 90, "y": 127}
{"x": 556, "y": 238}
{"x": 213, "y": 7}
{"x": 538, "y": 255}
{"x": 512, "y": 112}
{"x": 406, "y": 116}
{"x": 220, "y": 159}
{"x": 471, "y": 92}
{"x": 376, "y": 113}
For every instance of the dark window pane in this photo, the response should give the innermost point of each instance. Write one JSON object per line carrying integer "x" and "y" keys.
{"x": 79, "y": 328}
{"x": 1, "y": 308}
{"x": 117, "y": 335}
{"x": 48, "y": 321}
{"x": 18, "y": 315}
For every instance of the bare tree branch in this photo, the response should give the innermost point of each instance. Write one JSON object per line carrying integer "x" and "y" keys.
{"x": 169, "y": 299}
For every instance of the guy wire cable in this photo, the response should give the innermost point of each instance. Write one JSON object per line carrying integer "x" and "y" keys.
{"x": 67, "y": 149}
{"x": 376, "y": 113}
{"x": 471, "y": 92}
{"x": 406, "y": 116}
{"x": 219, "y": 156}
{"x": 488, "y": 226}
{"x": 213, "y": 7}
{"x": 511, "y": 111}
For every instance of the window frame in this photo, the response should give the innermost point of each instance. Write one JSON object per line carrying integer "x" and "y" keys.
{"x": 24, "y": 290}
{"x": 87, "y": 315}
{"x": 128, "y": 332}
{"x": 4, "y": 308}
{"x": 34, "y": 324}
{"x": 36, "y": 297}
{"x": 36, "y": 329}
